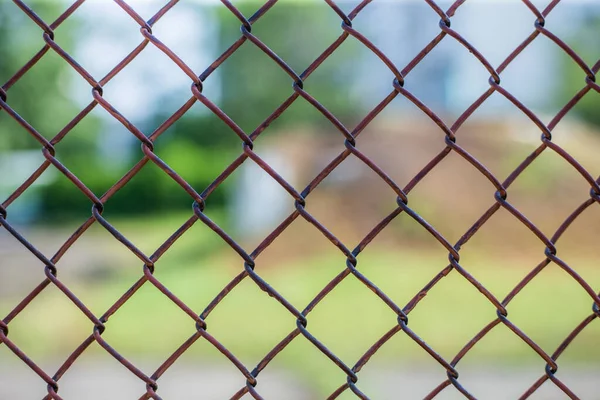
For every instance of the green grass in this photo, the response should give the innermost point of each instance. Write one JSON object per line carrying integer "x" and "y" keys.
{"x": 348, "y": 321}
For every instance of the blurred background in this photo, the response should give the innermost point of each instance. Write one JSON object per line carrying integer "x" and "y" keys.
{"x": 249, "y": 204}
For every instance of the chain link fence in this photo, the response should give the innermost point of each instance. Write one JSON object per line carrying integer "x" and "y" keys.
{"x": 249, "y": 268}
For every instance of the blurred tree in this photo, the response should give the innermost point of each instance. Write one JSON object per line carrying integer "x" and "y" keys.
{"x": 42, "y": 97}
{"x": 253, "y": 85}
{"x": 586, "y": 44}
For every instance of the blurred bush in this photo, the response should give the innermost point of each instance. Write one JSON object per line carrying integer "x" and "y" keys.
{"x": 199, "y": 145}
{"x": 253, "y": 85}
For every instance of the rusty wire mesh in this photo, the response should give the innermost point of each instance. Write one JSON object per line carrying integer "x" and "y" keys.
{"x": 247, "y": 259}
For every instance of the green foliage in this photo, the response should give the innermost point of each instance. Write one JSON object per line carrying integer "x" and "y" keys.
{"x": 585, "y": 43}
{"x": 40, "y": 96}
{"x": 254, "y": 85}
{"x": 153, "y": 190}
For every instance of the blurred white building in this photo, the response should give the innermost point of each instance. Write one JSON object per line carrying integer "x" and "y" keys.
{"x": 450, "y": 78}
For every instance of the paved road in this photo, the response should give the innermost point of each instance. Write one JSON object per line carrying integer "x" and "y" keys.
{"x": 112, "y": 381}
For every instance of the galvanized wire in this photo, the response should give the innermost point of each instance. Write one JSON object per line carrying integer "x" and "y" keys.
{"x": 248, "y": 260}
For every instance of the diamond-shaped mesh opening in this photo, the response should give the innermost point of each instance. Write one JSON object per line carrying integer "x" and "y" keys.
{"x": 126, "y": 332}
{"x": 402, "y": 274}
{"x": 287, "y": 27}
{"x": 97, "y": 267}
{"x": 332, "y": 202}
{"x": 422, "y": 139}
{"x": 548, "y": 175}
{"x": 95, "y": 367}
{"x": 260, "y": 79}
{"x": 250, "y": 221}
{"x": 90, "y": 145}
{"x": 130, "y": 94}
{"x": 436, "y": 197}
{"x": 500, "y": 144}
{"x": 503, "y": 237}
{"x": 52, "y": 188}
{"x": 250, "y": 335}
{"x": 37, "y": 325}
{"x": 552, "y": 289}
{"x": 198, "y": 167}
{"x": 328, "y": 322}
{"x": 577, "y": 358}
{"x": 335, "y": 84}
{"x": 464, "y": 315}
{"x": 146, "y": 234}
{"x": 279, "y": 263}
{"x": 192, "y": 42}
{"x": 114, "y": 35}
{"x": 199, "y": 254}
{"x": 436, "y": 79}
{"x": 50, "y": 74}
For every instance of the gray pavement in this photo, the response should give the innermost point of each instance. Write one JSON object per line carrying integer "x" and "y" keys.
{"x": 112, "y": 381}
